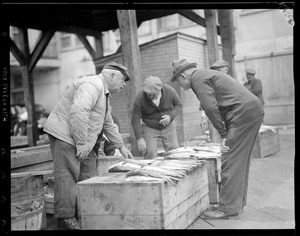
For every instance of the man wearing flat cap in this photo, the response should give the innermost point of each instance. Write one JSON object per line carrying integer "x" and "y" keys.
{"x": 157, "y": 105}
{"x": 237, "y": 115}
{"x": 75, "y": 128}
{"x": 222, "y": 66}
{"x": 254, "y": 85}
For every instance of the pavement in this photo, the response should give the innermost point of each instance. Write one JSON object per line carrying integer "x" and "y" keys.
{"x": 271, "y": 196}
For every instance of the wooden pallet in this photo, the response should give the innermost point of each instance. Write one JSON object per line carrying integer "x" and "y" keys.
{"x": 109, "y": 202}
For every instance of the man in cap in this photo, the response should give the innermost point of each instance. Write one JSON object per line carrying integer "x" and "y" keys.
{"x": 157, "y": 105}
{"x": 254, "y": 85}
{"x": 75, "y": 127}
{"x": 222, "y": 66}
{"x": 226, "y": 100}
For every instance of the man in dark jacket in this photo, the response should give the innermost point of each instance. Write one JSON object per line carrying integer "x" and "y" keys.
{"x": 154, "y": 111}
{"x": 225, "y": 100}
{"x": 254, "y": 85}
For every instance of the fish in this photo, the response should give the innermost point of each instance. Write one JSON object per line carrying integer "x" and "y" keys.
{"x": 123, "y": 167}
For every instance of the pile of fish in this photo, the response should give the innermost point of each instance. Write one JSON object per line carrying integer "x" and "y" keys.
{"x": 192, "y": 152}
{"x": 146, "y": 170}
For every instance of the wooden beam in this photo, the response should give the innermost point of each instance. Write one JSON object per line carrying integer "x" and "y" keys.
{"x": 228, "y": 38}
{"x": 193, "y": 16}
{"x": 99, "y": 45}
{"x": 40, "y": 47}
{"x": 213, "y": 55}
{"x": 211, "y": 36}
{"x": 131, "y": 59}
{"x": 88, "y": 46}
{"x": 27, "y": 78}
{"x": 17, "y": 53}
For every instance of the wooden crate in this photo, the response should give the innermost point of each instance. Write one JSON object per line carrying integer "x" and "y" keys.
{"x": 109, "y": 202}
{"x": 267, "y": 142}
{"x": 49, "y": 204}
{"x": 26, "y": 187}
{"x": 214, "y": 177}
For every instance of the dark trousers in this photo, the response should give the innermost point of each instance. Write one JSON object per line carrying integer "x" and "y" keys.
{"x": 68, "y": 170}
{"x": 236, "y": 164}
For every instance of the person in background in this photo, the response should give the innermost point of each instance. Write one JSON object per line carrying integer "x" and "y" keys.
{"x": 254, "y": 85}
{"x": 222, "y": 66}
{"x": 157, "y": 105}
{"x": 237, "y": 115}
{"x": 75, "y": 127}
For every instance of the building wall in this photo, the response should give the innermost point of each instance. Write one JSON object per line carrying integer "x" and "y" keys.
{"x": 277, "y": 76}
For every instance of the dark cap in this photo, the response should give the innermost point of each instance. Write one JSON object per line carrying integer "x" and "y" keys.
{"x": 115, "y": 66}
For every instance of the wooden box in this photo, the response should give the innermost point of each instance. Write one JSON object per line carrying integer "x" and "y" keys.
{"x": 110, "y": 202}
{"x": 214, "y": 177}
{"x": 267, "y": 142}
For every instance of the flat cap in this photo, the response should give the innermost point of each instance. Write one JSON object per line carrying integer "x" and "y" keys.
{"x": 115, "y": 66}
{"x": 152, "y": 84}
{"x": 219, "y": 64}
{"x": 250, "y": 71}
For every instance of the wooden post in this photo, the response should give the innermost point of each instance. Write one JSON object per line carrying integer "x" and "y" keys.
{"x": 131, "y": 60}
{"x": 213, "y": 55}
{"x": 228, "y": 38}
{"x": 27, "y": 78}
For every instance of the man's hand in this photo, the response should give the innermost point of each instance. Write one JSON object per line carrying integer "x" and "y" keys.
{"x": 141, "y": 145}
{"x": 224, "y": 148}
{"x": 165, "y": 121}
{"x": 82, "y": 152}
{"x": 126, "y": 153}
{"x": 203, "y": 120}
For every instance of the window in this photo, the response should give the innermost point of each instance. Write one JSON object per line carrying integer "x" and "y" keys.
{"x": 66, "y": 40}
{"x": 168, "y": 22}
{"x": 144, "y": 29}
{"x": 16, "y": 36}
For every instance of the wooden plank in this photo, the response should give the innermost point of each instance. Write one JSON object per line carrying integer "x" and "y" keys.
{"x": 187, "y": 203}
{"x": 27, "y": 79}
{"x": 131, "y": 60}
{"x": 42, "y": 43}
{"x": 87, "y": 46}
{"x": 27, "y": 157}
{"x": 21, "y": 58}
{"x": 186, "y": 219}
{"x": 228, "y": 38}
{"x": 213, "y": 55}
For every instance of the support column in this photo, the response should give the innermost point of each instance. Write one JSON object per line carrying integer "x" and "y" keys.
{"x": 131, "y": 60}
{"x": 228, "y": 38}
{"x": 27, "y": 78}
{"x": 213, "y": 55}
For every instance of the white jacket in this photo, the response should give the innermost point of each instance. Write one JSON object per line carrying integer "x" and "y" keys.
{"x": 79, "y": 117}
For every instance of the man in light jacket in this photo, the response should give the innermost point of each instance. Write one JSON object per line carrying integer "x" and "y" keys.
{"x": 75, "y": 127}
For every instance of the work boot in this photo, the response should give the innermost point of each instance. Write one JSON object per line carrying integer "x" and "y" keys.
{"x": 68, "y": 224}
